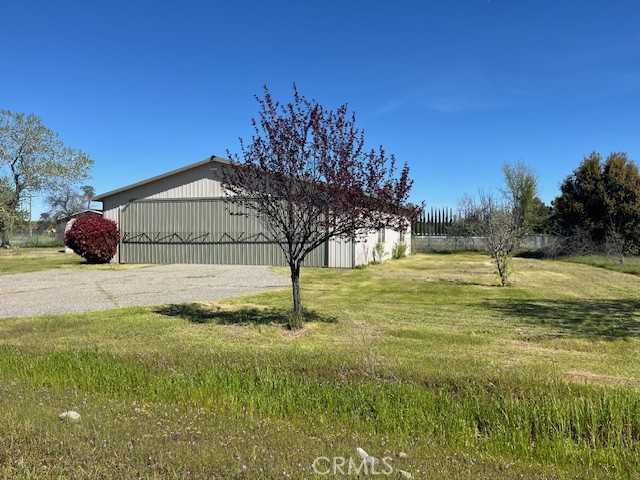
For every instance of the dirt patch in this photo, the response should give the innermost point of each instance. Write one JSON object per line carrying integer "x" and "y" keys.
{"x": 609, "y": 380}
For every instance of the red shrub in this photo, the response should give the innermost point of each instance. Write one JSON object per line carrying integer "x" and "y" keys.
{"x": 94, "y": 238}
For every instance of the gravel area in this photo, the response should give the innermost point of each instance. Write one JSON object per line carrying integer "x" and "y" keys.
{"x": 63, "y": 291}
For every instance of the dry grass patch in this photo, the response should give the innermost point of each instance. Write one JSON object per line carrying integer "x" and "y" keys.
{"x": 608, "y": 380}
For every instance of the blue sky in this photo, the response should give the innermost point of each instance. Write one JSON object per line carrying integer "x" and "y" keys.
{"x": 455, "y": 88}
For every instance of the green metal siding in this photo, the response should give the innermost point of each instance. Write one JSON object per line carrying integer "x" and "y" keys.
{"x": 199, "y": 231}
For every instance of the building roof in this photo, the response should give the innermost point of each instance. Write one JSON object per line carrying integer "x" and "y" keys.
{"x": 211, "y": 159}
{"x": 88, "y": 211}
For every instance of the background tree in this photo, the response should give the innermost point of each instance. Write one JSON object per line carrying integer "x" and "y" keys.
{"x": 10, "y": 216}
{"x": 621, "y": 181}
{"x": 600, "y": 204}
{"x": 66, "y": 201}
{"x": 46, "y": 224}
{"x": 540, "y": 217}
{"x": 34, "y": 160}
{"x": 580, "y": 206}
{"x": 501, "y": 223}
{"x": 307, "y": 176}
{"x": 89, "y": 192}
{"x": 520, "y": 192}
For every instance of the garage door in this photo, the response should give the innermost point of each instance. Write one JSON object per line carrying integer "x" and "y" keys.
{"x": 199, "y": 231}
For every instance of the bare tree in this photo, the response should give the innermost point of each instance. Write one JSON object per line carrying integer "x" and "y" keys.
{"x": 495, "y": 224}
{"x": 616, "y": 243}
{"x": 502, "y": 223}
{"x": 308, "y": 178}
{"x": 66, "y": 201}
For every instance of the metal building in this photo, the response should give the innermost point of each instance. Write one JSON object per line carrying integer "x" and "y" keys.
{"x": 184, "y": 216}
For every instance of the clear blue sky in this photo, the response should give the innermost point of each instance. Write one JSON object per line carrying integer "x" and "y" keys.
{"x": 454, "y": 88}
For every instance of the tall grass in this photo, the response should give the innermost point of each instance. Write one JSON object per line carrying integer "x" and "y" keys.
{"x": 541, "y": 418}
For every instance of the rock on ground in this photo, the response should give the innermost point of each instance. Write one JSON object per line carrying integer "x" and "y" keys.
{"x": 69, "y": 416}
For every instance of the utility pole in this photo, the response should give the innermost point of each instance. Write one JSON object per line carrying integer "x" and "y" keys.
{"x": 30, "y": 197}
{"x": 30, "y": 213}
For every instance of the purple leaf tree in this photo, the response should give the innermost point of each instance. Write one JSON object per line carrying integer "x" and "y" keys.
{"x": 307, "y": 176}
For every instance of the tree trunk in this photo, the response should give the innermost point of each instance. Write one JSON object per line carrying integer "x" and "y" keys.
{"x": 5, "y": 241}
{"x": 296, "y": 320}
{"x": 6, "y": 228}
{"x": 501, "y": 264}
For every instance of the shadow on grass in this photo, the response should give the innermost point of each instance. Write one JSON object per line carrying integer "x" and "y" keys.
{"x": 593, "y": 319}
{"x": 535, "y": 254}
{"x": 452, "y": 251}
{"x": 474, "y": 283}
{"x": 197, "y": 313}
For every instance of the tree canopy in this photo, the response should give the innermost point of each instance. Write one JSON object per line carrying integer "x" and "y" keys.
{"x": 308, "y": 177}
{"x": 600, "y": 200}
{"x": 33, "y": 160}
{"x": 520, "y": 193}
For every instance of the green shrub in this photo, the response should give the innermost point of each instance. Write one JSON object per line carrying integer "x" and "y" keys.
{"x": 378, "y": 252}
{"x": 399, "y": 250}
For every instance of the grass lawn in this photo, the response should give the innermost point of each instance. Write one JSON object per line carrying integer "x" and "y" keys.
{"x": 24, "y": 260}
{"x": 425, "y": 355}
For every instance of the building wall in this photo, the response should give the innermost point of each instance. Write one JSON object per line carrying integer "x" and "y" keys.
{"x": 205, "y": 182}
{"x": 61, "y": 229}
{"x": 341, "y": 253}
{"x": 364, "y": 248}
{"x": 203, "y": 231}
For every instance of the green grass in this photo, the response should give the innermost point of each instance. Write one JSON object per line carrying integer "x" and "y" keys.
{"x": 36, "y": 259}
{"x": 631, "y": 264}
{"x": 24, "y": 260}
{"x": 425, "y": 355}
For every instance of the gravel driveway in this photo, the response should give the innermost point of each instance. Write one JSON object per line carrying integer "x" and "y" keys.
{"x": 62, "y": 291}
